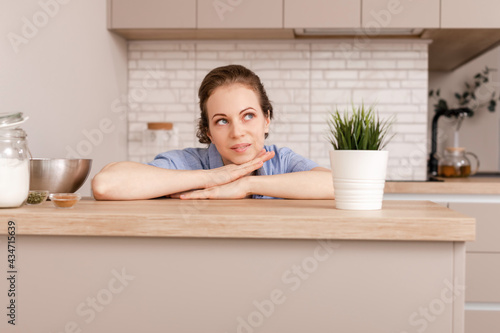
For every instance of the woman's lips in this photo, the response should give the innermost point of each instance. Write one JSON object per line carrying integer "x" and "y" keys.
{"x": 241, "y": 147}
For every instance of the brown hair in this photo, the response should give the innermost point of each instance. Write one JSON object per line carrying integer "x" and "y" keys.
{"x": 224, "y": 76}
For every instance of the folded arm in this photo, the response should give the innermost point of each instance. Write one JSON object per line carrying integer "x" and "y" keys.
{"x": 133, "y": 181}
{"x": 314, "y": 184}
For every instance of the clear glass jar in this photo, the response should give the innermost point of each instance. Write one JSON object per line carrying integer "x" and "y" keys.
{"x": 456, "y": 164}
{"x": 158, "y": 138}
{"x": 14, "y": 162}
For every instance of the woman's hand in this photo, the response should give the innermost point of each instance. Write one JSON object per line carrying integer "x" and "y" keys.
{"x": 237, "y": 189}
{"x": 231, "y": 172}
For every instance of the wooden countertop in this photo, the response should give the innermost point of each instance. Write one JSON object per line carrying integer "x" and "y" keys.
{"x": 249, "y": 218}
{"x": 448, "y": 186}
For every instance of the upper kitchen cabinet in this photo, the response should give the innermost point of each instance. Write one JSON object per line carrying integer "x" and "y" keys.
{"x": 400, "y": 14}
{"x": 322, "y": 13}
{"x": 240, "y": 14}
{"x": 152, "y": 14}
{"x": 470, "y": 14}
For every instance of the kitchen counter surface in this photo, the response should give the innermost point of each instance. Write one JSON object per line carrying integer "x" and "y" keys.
{"x": 278, "y": 219}
{"x": 470, "y": 185}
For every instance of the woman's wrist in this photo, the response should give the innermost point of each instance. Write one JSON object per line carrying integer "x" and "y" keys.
{"x": 249, "y": 184}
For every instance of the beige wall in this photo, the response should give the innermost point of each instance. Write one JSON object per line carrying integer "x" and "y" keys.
{"x": 481, "y": 133}
{"x": 68, "y": 75}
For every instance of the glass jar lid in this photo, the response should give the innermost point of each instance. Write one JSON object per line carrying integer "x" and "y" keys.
{"x": 11, "y": 119}
{"x": 160, "y": 126}
{"x": 11, "y": 133}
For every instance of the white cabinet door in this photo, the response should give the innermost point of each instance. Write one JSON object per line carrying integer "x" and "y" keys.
{"x": 487, "y": 225}
{"x": 322, "y": 13}
{"x": 240, "y": 14}
{"x": 470, "y": 14}
{"x": 152, "y": 14}
{"x": 481, "y": 321}
{"x": 400, "y": 14}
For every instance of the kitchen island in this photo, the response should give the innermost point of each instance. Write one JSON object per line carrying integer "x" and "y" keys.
{"x": 236, "y": 266}
{"x": 479, "y": 197}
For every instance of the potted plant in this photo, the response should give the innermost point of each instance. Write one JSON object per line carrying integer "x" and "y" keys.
{"x": 358, "y": 162}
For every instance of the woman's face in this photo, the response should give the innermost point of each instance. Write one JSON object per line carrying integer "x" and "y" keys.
{"x": 236, "y": 123}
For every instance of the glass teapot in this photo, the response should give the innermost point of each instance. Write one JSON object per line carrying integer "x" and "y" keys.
{"x": 456, "y": 164}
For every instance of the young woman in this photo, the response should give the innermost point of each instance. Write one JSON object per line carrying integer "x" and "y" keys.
{"x": 235, "y": 118}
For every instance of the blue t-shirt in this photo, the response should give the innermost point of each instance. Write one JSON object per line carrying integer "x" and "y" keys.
{"x": 284, "y": 161}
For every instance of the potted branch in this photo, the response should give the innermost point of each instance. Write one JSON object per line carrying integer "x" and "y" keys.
{"x": 358, "y": 163}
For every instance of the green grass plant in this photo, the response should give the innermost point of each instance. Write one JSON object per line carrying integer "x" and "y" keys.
{"x": 360, "y": 130}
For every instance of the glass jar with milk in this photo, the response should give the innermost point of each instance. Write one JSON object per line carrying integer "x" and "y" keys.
{"x": 14, "y": 161}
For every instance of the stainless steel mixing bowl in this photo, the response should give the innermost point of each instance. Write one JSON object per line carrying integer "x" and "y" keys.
{"x": 58, "y": 175}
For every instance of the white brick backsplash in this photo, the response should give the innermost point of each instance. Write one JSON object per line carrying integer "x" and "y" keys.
{"x": 398, "y": 108}
{"x": 420, "y": 47}
{"x": 225, "y": 55}
{"x": 136, "y": 126}
{"x": 406, "y": 64}
{"x": 382, "y": 75}
{"x": 304, "y": 80}
{"x": 396, "y": 55}
{"x": 356, "y": 64}
{"x": 295, "y": 84}
{"x": 328, "y": 64}
{"x": 382, "y": 64}
{"x": 281, "y": 55}
{"x": 330, "y": 96}
{"x": 265, "y": 46}
{"x": 215, "y": 47}
{"x": 280, "y": 95}
{"x": 293, "y": 64}
{"x": 165, "y": 55}
{"x": 395, "y": 84}
{"x": 262, "y": 64}
{"x": 146, "y": 64}
{"x": 134, "y": 55}
{"x": 297, "y": 137}
{"x": 179, "y": 64}
{"x": 162, "y": 96}
{"x": 413, "y": 84}
{"x": 181, "y": 84}
{"x": 300, "y": 128}
{"x": 419, "y": 96}
{"x": 340, "y": 74}
{"x": 418, "y": 75}
{"x": 404, "y": 128}
{"x": 336, "y": 46}
{"x": 347, "y": 55}
{"x": 320, "y": 84}
{"x": 414, "y": 137}
{"x": 379, "y": 96}
{"x": 322, "y": 55}
{"x": 207, "y": 54}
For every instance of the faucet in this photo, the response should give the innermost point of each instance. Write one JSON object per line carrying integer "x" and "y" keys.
{"x": 433, "y": 161}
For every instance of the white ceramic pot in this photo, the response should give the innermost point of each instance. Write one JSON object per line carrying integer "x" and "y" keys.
{"x": 359, "y": 178}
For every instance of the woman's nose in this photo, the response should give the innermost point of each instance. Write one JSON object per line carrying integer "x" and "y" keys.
{"x": 236, "y": 129}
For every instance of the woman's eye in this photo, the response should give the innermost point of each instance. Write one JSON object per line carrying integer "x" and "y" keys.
{"x": 249, "y": 116}
{"x": 221, "y": 122}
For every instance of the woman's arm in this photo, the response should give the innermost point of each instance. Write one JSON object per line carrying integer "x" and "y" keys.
{"x": 314, "y": 184}
{"x": 132, "y": 180}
